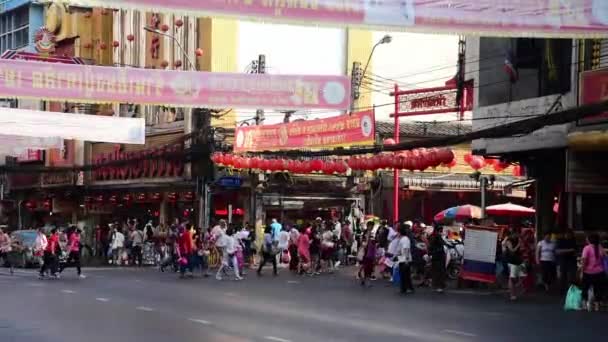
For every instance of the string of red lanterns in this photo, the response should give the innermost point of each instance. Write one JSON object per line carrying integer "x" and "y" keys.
{"x": 415, "y": 160}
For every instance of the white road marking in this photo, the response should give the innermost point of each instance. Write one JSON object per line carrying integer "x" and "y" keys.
{"x": 144, "y": 308}
{"x": 277, "y": 339}
{"x": 293, "y": 282}
{"x": 200, "y": 321}
{"x": 459, "y": 333}
{"x": 68, "y": 291}
{"x": 468, "y": 292}
{"x": 100, "y": 299}
{"x": 34, "y": 284}
{"x": 230, "y": 294}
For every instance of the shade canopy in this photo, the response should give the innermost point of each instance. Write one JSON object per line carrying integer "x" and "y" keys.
{"x": 510, "y": 209}
{"x": 459, "y": 213}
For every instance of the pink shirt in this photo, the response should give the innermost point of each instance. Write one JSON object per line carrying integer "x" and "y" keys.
{"x": 593, "y": 265}
{"x": 304, "y": 245}
{"x": 74, "y": 242}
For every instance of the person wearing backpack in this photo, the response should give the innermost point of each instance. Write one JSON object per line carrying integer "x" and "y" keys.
{"x": 269, "y": 251}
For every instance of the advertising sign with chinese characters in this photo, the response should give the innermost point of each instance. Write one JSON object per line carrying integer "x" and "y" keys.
{"x": 97, "y": 84}
{"x": 537, "y": 18}
{"x": 346, "y": 130}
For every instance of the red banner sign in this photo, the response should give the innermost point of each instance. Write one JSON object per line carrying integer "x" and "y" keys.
{"x": 593, "y": 89}
{"x": 145, "y": 167}
{"x": 345, "y": 130}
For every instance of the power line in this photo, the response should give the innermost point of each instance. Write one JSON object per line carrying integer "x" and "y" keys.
{"x": 519, "y": 127}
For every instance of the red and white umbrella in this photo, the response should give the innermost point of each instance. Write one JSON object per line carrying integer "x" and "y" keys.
{"x": 510, "y": 209}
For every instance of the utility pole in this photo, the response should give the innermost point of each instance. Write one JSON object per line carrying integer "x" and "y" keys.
{"x": 256, "y": 210}
{"x": 355, "y": 87}
{"x": 259, "y": 67}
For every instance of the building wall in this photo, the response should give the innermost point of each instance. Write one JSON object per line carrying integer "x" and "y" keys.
{"x": 487, "y": 116}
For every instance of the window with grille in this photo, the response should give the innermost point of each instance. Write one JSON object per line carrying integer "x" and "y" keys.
{"x": 14, "y": 29}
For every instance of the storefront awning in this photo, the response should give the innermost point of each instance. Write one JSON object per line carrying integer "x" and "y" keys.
{"x": 596, "y": 140}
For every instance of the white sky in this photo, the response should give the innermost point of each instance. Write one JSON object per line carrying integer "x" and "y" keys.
{"x": 420, "y": 60}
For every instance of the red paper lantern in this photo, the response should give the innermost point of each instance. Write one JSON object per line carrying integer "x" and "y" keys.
{"x": 389, "y": 141}
{"x": 141, "y": 197}
{"x": 228, "y": 159}
{"x": 433, "y": 157}
{"x": 317, "y": 165}
{"x": 517, "y": 171}
{"x": 199, "y": 52}
{"x": 376, "y": 162}
{"x": 88, "y": 14}
{"x": 127, "y": 198}
{"x": 88, "y": 45}
{"x": 255, "y": 163}
{"x": 115, "y": 43}
{"x": 189, "y": 196}
{"x": 179, "y": 23}
{"x": 164, "y": 27}
{"x": 237, "y": 162}
{"x": 164, "y": 64}
{"x": 446, "y": 155}
{"x": 306, "y": 167}
{"x": 130, "y": 37}
{"x": 30, "y": 205}
{"x": 178, "y": 63}
{"x": 103, "y": 46}
{"x": 468, "y": 158}
{"x": 172, "y": 197}
{"x": 500, "y": 166}
{"x": 491, "y": 161}
{"x": 451, "y": 164}
{"x": 113, "y": 199}
{"x": 342, "y": 167}
{"x": 247, "y": 162}
{"x": 263, "y": 164}
{"x": 477, "y": 162}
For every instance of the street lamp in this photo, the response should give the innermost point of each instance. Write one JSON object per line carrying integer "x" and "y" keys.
{"x": 181, "y": 48}
{"x": 385, "y": 40}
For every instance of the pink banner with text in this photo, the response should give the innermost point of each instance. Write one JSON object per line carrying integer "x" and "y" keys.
{"x": 357, "y": 129}
{"x": 97, "y": 84}
{"x": 549, "y": 18}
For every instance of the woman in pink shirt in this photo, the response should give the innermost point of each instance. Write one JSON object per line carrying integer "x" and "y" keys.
{"x": 593, "y": 271}
{"x": 304, "y": 251}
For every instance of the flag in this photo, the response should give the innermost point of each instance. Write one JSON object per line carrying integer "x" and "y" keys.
{"x": 510, "y": 68}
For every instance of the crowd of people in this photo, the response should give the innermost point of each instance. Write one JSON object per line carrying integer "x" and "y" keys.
{"x": 322, "y": 246}
{"x": 523, "y": 258}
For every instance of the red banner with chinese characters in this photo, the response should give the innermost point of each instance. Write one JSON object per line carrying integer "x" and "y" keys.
{"x": 594, "y": 88}
{"x": 345, "y": 130}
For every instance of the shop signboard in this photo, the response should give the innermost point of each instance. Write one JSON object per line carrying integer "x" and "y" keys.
{"x": 480, "y": 254}
{"x": 99, "y": 84}
{"x": 538, "y": 18}
{"x": 141, "y": 164}
{"x": 593, "y": 89}
{"x": 357, "y": 129}
{"x": 230, "y": 182}
{"x": 56, "y": 179}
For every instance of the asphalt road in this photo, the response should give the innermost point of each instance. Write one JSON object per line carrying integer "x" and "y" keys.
{"x": 144, "y": 305}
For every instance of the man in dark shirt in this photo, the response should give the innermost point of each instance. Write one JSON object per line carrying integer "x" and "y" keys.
{"x": 566, "y": 253}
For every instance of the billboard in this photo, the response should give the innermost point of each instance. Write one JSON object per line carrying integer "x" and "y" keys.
{"x": 345, "y": 130}
{"x": 537, "y": 18}
{"x": 98, "y": 84}
{"x": 593, "y": 89}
